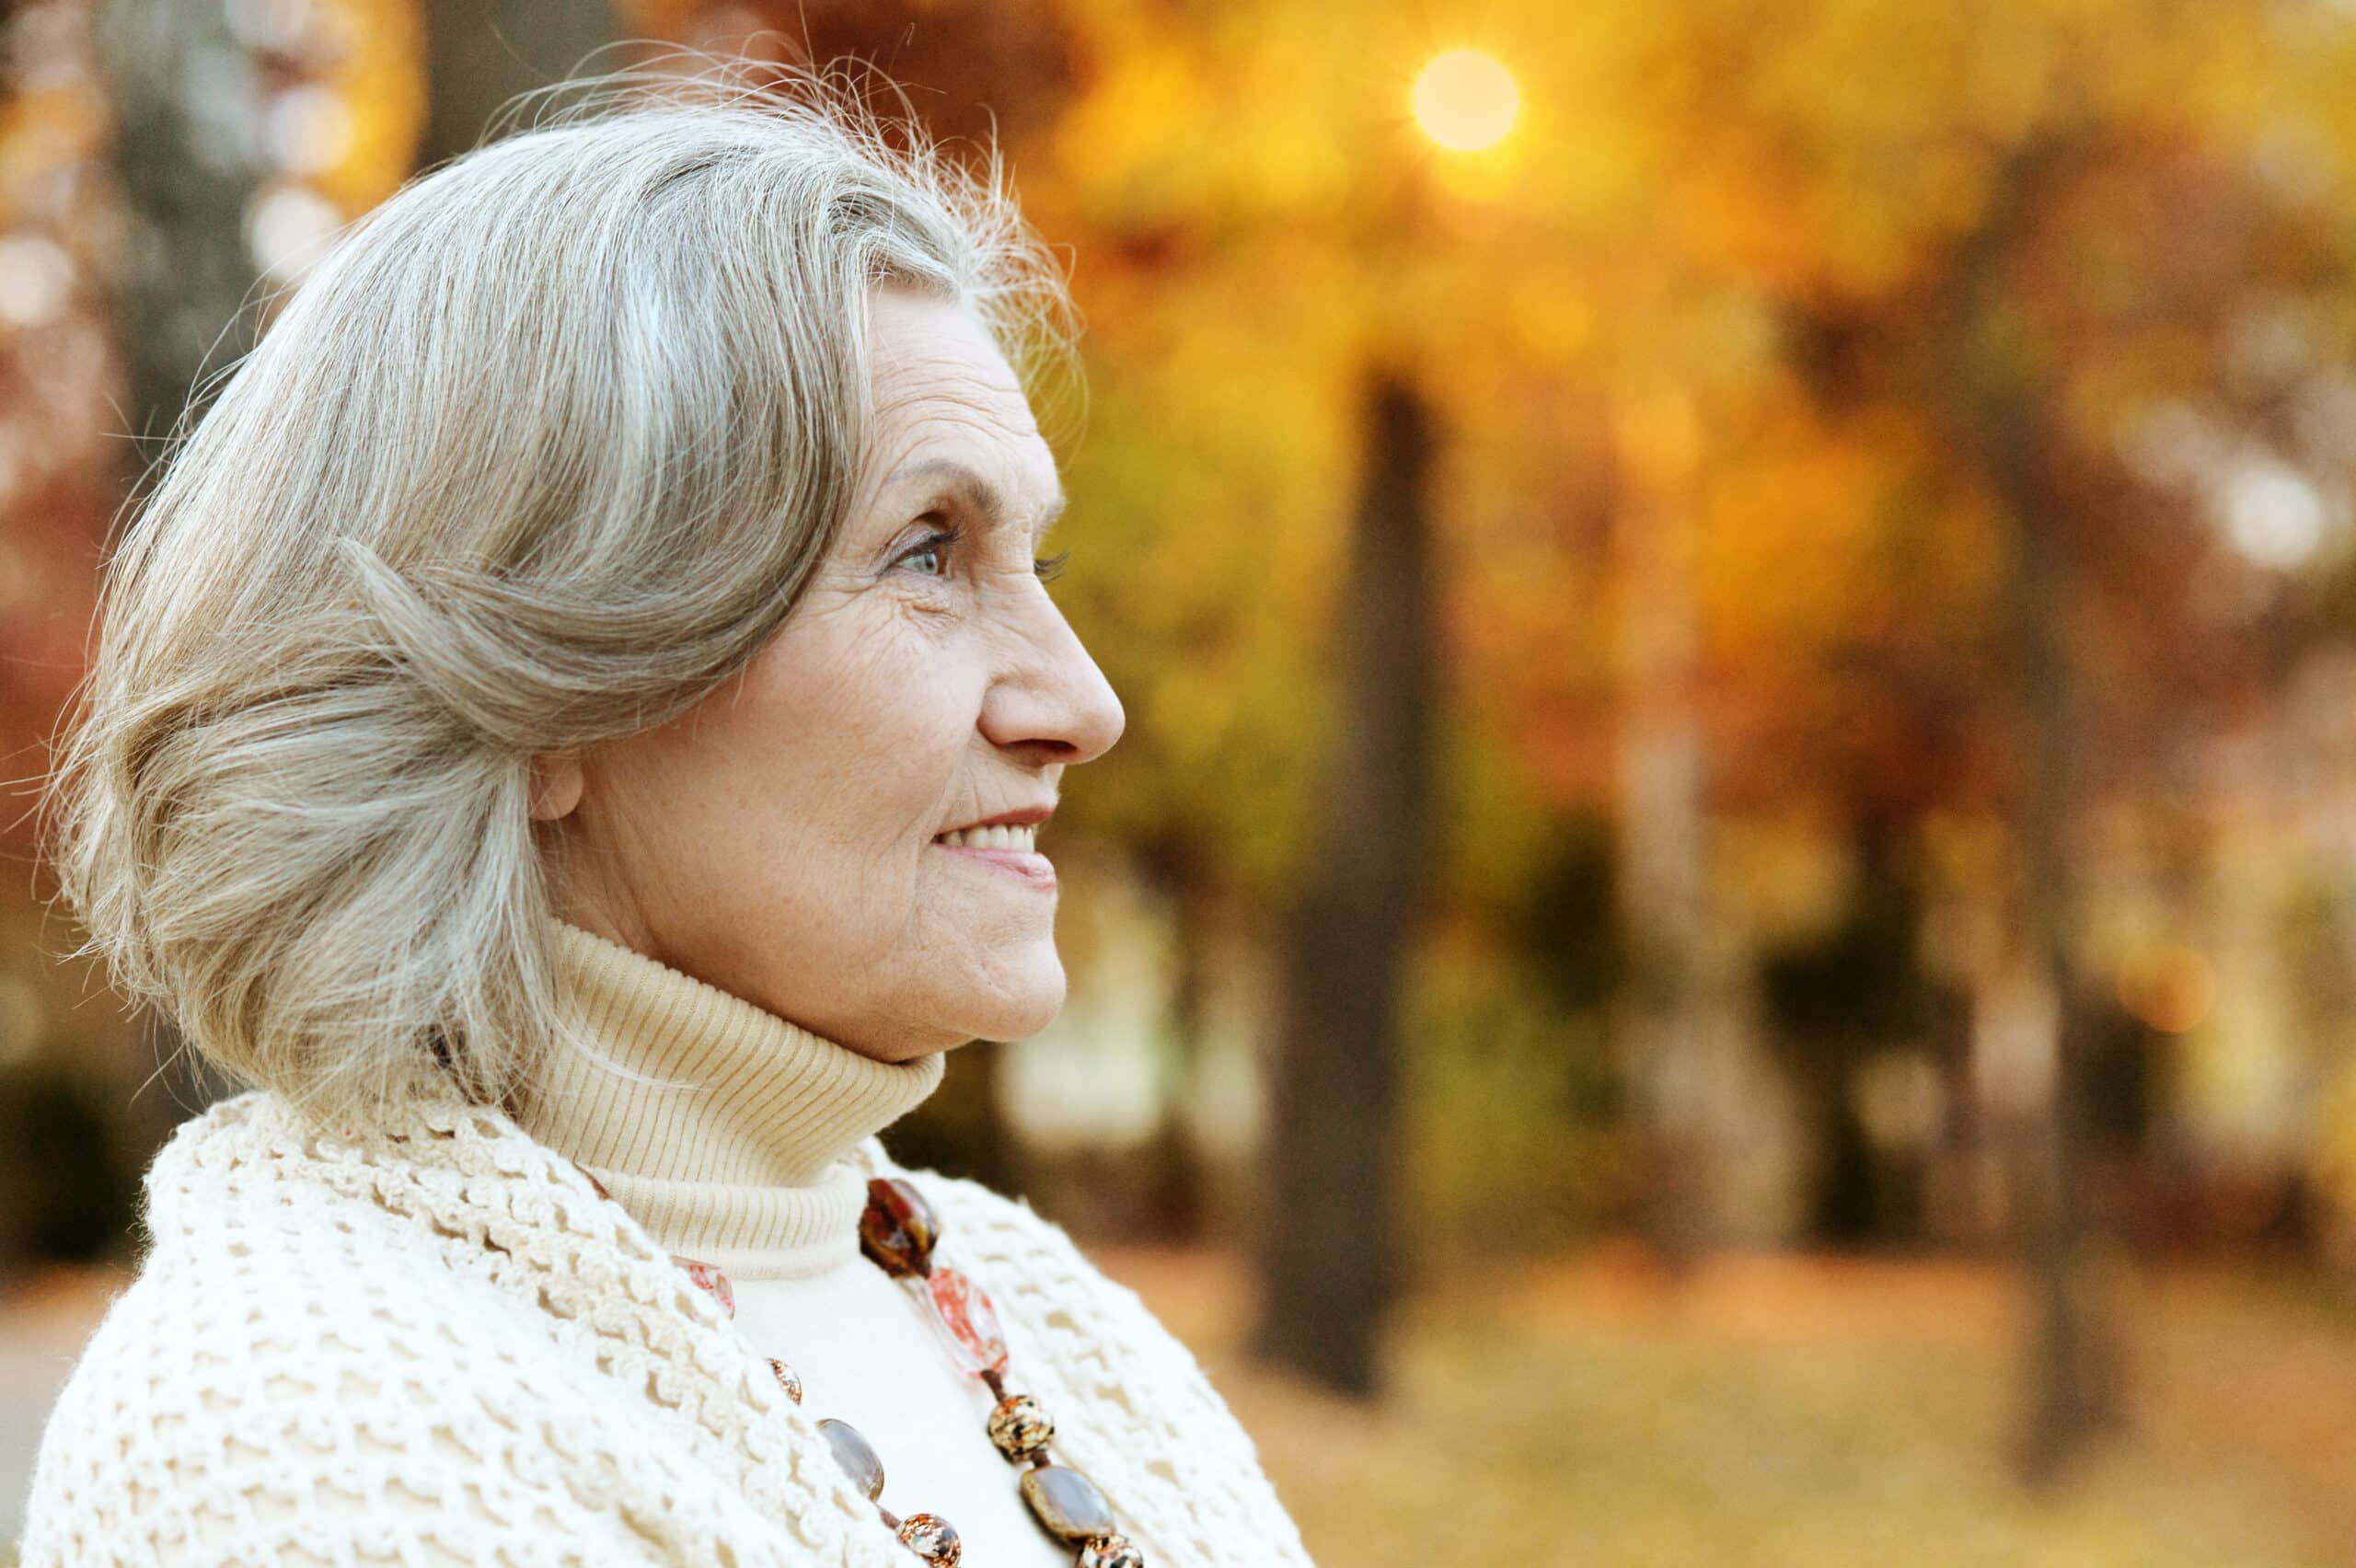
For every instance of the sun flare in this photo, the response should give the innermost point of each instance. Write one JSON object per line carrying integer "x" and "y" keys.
{"x": 1465, "y": 100}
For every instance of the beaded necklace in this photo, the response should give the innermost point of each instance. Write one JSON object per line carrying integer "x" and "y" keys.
{"x": 896, "y": 1233}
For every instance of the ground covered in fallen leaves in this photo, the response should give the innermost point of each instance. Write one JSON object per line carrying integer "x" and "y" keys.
{"x": 1795, "y": 1411}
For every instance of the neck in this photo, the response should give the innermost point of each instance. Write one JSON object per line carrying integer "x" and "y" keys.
{"x": 718, "y": 1125}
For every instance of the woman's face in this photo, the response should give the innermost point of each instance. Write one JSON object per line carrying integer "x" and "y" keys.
{"x": 778, "y": 840}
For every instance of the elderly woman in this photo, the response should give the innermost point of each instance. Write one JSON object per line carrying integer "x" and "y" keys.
{"x": 570, "y": 729}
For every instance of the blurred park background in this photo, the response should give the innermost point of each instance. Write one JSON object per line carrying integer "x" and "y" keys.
{"x": 1726, "y": 928}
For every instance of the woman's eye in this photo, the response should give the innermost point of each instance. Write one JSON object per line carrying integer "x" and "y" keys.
{"x": 934, "y": 546}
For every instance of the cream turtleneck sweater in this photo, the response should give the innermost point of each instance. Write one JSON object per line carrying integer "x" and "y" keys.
{"x": 426, "y": 1338}
{"x": 723, "y": 1129}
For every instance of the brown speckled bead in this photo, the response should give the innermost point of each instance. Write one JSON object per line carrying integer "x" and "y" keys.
{"x": 930, "y": 1537}
{"x": 787, "y": 1379}
{"x": 856, "y": 1455}
{"x": 1067, "y": 1503}
{"x": 1020, "y": 1428}
{"x": 899, "y": 1229}
{"x": 1110, "y": 1552}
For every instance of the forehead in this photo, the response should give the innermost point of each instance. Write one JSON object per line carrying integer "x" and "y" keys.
{"x": 943, "y": 394}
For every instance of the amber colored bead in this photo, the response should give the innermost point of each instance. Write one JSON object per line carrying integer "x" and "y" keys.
{"x": 787, "y": 1379}
{"x": 1067, "y": 1503}
{"x": 857, "y": 1456}
{"x": 898, "y": 1228}
{"x": 1020, "y": 1428}
{"x": 1114, "y": 1550}
{"x": 930, "y": 1537}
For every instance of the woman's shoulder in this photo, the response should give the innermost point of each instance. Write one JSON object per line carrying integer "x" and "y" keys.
{"x": 1033, "y": 1268}
{"x": 281, "y": 1373}
{"x": 991, "y": 1227}
{"x": 329, "y": 1344}
{"x": 1037, "y": 1273}
{"x": 1133, "y": 1405}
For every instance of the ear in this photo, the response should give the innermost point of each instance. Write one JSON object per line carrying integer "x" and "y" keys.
{"x": 556, "y": 785}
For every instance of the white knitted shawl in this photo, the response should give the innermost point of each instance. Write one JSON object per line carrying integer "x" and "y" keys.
{"x": 431, "y": 1343}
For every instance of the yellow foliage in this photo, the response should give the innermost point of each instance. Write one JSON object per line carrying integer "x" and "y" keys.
{"x": 373, "y": 72}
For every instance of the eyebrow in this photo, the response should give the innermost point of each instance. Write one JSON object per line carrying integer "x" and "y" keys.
{"x": 970, "y": 486}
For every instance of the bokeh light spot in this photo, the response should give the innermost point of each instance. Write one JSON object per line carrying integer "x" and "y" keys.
{"x": 1465, "y": 100}
{"x": 2273, "y": 513}
{"x": 35, "y": 276}
{"x": 289, "y": 227}
{"x": 2170, "y": 988}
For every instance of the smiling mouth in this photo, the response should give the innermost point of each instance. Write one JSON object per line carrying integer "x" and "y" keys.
{"x": 1007, "y": 849}
{"x": 1024, "y": 838}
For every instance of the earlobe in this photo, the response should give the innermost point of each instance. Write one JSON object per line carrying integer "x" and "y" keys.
{"x": 556, "y": 786}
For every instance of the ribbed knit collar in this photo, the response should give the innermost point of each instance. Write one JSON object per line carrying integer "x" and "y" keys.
{"x": 732, "y": 1152}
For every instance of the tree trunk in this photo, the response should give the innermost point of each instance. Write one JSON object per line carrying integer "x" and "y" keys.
{"x": 184, "y": 94}
{"x": 479, "y": 53}
{"x": 1672, "y": 1025}
{"x": 1328, "y": 1267}
{"x": 2073, "y": 1391}
{"x": 1998, "y": 407}
{"x": 1180, "y": 1203}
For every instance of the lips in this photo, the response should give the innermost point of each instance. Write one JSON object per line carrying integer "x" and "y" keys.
{"x": 1007, "y": 849}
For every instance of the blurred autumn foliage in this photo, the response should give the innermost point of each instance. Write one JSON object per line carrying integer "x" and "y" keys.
{"x": 1892, "y": 547}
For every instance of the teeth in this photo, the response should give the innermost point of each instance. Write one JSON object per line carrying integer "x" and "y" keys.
{"x": 1025, "y": 839}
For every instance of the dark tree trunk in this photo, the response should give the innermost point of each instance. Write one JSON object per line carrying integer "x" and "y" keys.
{"x": 183, "y": 92}
{"x": 1328, "y": 1269}
{"x": 2074, "y": 1394}
{"x": 1180, "y": 1203}
{"x": 479, "y": 53}
{"x": 2073, "y": 1371}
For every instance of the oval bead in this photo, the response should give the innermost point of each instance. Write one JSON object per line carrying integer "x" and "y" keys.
{"x": 787, "y": 1379}
{"x": 1113, "y": 1550}
{"x": 856, "y": 1455}
{"x": 898, "y": 1228}
{"x": 1020, "y": 1428}
{"x": 930, "y": 1537}
{"x": 967, "y": 1320}
{"x": 1067, "y": 1503}
{"x": 709, "y": 1278}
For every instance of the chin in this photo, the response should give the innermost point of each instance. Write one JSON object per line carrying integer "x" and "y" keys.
{"x": 1024, "y": 1012}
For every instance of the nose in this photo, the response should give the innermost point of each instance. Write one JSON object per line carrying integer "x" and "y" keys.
{"x": 1050, "y": 703}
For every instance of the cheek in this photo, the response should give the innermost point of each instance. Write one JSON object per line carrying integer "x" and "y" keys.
{"x": 861, "y": 735}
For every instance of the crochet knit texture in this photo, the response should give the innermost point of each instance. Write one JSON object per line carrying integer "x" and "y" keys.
{"x": 430, "y": 1343}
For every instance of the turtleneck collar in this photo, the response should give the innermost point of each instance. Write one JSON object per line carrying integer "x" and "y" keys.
{"x": 718, "y": 1125}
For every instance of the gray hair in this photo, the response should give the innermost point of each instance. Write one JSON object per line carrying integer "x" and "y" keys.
{"x": 543, "y": 451}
